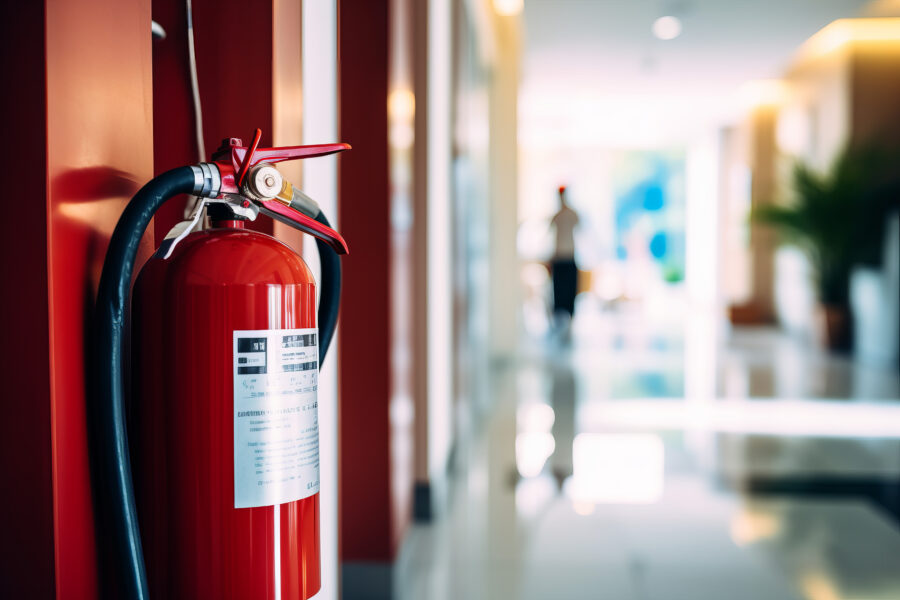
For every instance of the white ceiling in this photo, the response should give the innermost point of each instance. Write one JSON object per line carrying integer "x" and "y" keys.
{"x": 594, "y": 74}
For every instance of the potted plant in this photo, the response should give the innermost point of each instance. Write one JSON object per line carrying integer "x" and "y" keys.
{"x": 837, "y": 219}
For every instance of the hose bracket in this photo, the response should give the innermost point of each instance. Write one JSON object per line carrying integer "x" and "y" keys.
{"x": 206, "y": 184}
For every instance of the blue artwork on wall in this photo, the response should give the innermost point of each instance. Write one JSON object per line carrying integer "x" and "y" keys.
{"x": 649, "y": 209}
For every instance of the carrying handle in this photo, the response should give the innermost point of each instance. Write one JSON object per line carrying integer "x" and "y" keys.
{"x": 235, "y": 160}
{"x": 238, "y": 166}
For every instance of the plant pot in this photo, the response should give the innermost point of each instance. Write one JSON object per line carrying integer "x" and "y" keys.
{"x": 834, "y": 326}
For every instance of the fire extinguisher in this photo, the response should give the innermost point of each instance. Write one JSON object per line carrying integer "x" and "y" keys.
{"x": 226, "y": 347}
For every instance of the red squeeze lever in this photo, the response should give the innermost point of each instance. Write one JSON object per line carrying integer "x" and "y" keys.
{"x": 297, "y": 220}
{"x": 235, "y": 160}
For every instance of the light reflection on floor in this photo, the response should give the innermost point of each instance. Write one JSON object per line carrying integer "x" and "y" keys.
{"x": 672, "y": 460}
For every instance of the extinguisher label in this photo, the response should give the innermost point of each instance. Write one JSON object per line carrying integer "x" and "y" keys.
{"x": 276, "y": 424}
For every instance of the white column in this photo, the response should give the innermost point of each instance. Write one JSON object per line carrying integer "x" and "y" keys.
{"x": 504, "y": 262}
{"x": 319, "y": 39}
{"x": 439, "y": 249}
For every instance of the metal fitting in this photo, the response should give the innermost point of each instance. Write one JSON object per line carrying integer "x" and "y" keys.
{"x": 263, "y": 182}
{"x": 207, "y": 180}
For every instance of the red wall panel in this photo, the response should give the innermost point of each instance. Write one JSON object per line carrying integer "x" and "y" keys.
{"x": 367, "y": 520}
{"x": 99, "y": 151}
{"x": 26, "y": 542}
{"x": 79, "y": 124}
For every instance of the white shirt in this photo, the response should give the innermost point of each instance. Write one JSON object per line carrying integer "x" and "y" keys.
{"x": 565, "y": 222}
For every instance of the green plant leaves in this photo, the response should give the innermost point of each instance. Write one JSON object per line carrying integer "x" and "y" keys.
{"x": 837, "y": 217}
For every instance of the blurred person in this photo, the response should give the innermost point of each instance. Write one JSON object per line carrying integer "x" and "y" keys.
{"x": 562, "y": 265}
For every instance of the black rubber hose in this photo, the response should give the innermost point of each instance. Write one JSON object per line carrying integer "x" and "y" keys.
{"x": 329, "y": 291}
{"x": 117, "y": 515}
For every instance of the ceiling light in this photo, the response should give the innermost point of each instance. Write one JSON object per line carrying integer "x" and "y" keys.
{"x": 402, "y": 105}
{"x": 667, "y": 28}
{"x": 763, "y": 92}
{"x": 508, "y": 8}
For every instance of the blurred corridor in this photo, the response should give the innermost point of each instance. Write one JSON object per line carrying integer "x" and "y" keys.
{"x": 701, "y": 429}
{"x": 649, "y": 461}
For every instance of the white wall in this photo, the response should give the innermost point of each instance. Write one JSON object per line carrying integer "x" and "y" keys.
{"x": 440, "y": 334}
{"x": 319, "y": 37}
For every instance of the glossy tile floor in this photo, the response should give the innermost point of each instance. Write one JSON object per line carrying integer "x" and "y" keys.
{"x": 668, "y": 460}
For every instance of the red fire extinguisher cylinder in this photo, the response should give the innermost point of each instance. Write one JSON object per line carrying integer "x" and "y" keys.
{"x": 227, "y": 343}
{"x": 186, "y": 309}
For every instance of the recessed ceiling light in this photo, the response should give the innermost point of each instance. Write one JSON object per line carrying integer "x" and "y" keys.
{"x": 667, "y": 28}
{"x": 508, "y": 8}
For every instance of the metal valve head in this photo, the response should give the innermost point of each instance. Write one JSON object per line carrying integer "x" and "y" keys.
{"x": 263, "y": 182}
{"x": 236, "y": 160}
{"x": 247, "y": 173}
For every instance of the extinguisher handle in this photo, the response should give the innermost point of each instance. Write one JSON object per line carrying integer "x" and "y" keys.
{"x": 282, "y": 153}
{"x": 235, "y": 160}
{"x": 312, "y": 226}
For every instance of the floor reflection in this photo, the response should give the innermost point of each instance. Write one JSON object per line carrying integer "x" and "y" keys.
{"x": 562, "y": 397}
{"x": 672, "y": 460}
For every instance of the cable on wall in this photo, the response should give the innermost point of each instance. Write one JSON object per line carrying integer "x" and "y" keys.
{"x": 195, "y": 93}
